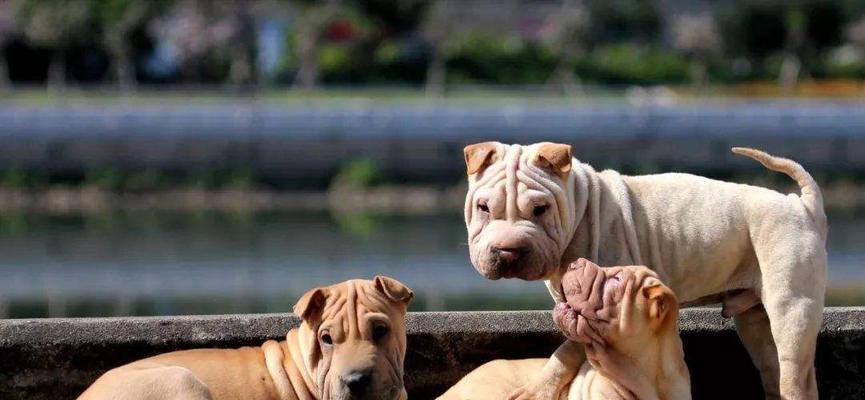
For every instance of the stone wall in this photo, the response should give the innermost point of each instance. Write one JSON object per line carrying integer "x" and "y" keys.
{"x": 57, "y": 358}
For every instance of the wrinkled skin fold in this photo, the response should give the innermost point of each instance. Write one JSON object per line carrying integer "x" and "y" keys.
{"x": 591, "y": 295}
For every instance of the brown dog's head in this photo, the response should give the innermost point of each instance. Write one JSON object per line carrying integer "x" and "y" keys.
{"x": 520, "y": 208}
{"x": 615, "y": 307}
{"x": 353, "y": 338}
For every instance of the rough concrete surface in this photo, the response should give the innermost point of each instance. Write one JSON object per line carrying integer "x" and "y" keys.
{"x": 58, "y": 358}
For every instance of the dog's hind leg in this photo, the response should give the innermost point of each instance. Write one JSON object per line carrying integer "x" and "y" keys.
{"x": 756, "y": 334}
{"x": 795, "y": 323}
{"x": 794, "y": 284}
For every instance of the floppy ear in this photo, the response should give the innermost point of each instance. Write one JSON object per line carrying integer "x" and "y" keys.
{"x": 555, "y": 157}
{"x": 311, "y": 304}
{"x": 479, "y": 156}
{"x": 393, "y": 289}
{"x": 662, "y": 301}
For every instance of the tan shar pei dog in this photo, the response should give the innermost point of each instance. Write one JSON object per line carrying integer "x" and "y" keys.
{"x": 350, "y": 345}
{"x": 531, "y": 210}
{"x": 627, "y": 321}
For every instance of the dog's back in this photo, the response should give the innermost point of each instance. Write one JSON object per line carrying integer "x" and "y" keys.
{"x": 190, "y": 374}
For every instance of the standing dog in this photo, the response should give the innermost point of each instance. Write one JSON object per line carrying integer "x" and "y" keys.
{"x": 350, "y": 345}
{"x": 530, "y": 210}
{"x": 626, "y": 318}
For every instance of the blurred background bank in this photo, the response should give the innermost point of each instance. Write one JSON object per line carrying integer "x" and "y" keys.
{"x": 191, "y": 156}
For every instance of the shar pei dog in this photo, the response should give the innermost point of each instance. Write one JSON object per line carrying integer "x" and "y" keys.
{"x": 531, "y": 210}
{"x": 350, "y": 344}
{"x": 626, "y": 319}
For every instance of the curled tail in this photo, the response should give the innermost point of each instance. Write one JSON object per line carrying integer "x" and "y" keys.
{"x": 811, "y": 196}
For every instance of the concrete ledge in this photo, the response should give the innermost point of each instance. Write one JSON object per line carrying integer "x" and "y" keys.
{"x": 58, "y": 358}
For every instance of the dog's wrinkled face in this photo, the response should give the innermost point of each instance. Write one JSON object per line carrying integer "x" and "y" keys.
{"x": 618, "y": 307}
{"x": 518, "y": 209}
{"x": 356, "y": 340}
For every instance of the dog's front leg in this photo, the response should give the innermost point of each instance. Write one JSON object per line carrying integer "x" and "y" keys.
{"x": 559, "y": 370}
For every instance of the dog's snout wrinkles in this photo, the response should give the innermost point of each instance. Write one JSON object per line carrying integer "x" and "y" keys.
{"x": 591, "y": 294}
{"x": 358, "y": 381}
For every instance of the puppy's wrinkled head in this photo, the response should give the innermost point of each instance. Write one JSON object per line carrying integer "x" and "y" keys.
{"x": 353, "y": 336}
{"x": 614, "y": 307}
{"x": 519, "y": 208}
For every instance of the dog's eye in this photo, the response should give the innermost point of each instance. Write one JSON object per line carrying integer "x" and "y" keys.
{"x": 326, "y": 339}
{"x": 379, "y": 331}
{"x": 483, "y": 207}
{"x": 540, "y": 210}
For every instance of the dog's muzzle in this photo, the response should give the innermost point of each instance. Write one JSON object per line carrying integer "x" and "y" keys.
{"x": 505, "y": 262}
{"x": 591, "y": 295}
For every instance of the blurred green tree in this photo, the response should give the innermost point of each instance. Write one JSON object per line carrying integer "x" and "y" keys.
{"x": 697, "y": 37}
{"x": 438, "y": 30}
{"x": 118, "y": 20}
{"x": 796, "y": 21}
{"x": 206, "y": 35}
{"x": 855, "y": 32}
{"x": 7, "y": 31}
{"x": 242, "y": 46}
{"x": 311, "y": 20}
{"x": 568, "y": 38}
{"x": 448, "y": 26}
{"x": 55, "y": 24}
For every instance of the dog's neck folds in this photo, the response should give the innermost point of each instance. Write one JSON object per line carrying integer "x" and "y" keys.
{"x": 602, "y": 207}
{"x": 638, "y": 376}
{"x": 302, "y": 385}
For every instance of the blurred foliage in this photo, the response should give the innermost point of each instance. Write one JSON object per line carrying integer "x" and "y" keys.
{"x": 483, "y": 59}
{"x": 105, "y": 178}
{"x": 632, "y": 63}
{"x": 359, "y": 225}
{"x": 221, "y": 178}
{"x": 358, "y": 173}
{"x": 414, "y": 41}
{"x": 21, "y": 178}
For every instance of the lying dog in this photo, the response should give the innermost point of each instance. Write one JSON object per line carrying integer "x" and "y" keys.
{"x": 530, "y": 210}
{"x": 626, "y": 318}
{"x": 350, "y": 345}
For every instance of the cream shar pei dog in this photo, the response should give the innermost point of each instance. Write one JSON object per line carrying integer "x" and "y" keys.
{"x": 626, "y": 318}
{"x": 531, "y": 210}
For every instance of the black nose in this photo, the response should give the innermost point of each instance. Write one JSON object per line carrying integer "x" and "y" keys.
{"x": 358, "y": 381}
{"x": 508, "y": 254}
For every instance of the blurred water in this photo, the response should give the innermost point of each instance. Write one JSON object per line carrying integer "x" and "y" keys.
{"x": 144, "y": 263}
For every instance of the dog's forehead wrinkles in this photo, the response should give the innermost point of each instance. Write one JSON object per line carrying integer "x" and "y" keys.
{"x": 492, "y": 174}
{"x": 513, "y": 163}
{"x": 352, "y": 310}
{"x": 340, "y": 307}
{"x": 372, "y": 301}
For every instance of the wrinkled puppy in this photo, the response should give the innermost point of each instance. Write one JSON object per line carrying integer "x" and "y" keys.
{"x": 531, "y": 210}
{"x": 626, "y": 318}
{"x": 350, "y": 345}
